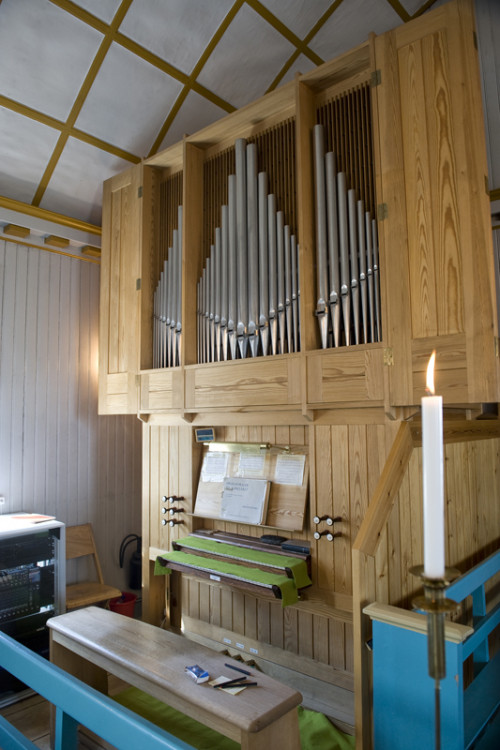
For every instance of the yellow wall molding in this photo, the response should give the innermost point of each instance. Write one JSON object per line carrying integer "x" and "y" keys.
{"x": 42, "y": 213}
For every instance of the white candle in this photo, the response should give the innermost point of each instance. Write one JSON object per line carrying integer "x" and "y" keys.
{"x": 433, "y": 485}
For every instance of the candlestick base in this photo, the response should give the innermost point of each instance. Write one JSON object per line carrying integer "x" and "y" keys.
{"x": 435, "y": 604}
{"x": 434, "y": 600}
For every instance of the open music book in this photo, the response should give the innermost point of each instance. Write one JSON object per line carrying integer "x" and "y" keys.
{"x": 245, "y": 500}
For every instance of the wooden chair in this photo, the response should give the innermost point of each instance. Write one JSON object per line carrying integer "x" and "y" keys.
{"x": 80, "y": 543}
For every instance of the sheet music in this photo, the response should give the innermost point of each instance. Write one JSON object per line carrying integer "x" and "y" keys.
{"x": 245, "y": 500}
{"x": 290, "y": 469}
{"x": 214, "y": 467}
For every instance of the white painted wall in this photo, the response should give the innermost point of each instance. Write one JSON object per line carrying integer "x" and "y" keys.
{"x": 57, "y": 456}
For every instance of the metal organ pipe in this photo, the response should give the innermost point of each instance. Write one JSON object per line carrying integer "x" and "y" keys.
{"x": 241, "y": 235}
{"x": 353, "y": 254}
{"x": 252, "y": 248}
{"x": 263, "y": 263}
{"x": 362, "y": 269}
{"x": 280, "y": 266}
{"x": 319, "y": 179}
{"x": 333, "y": 244}
{"x": 273, "y": 272}
{"x": 344, "y": 255}
{"x": 232, "y": 265}
{"x": 224, "y": 279}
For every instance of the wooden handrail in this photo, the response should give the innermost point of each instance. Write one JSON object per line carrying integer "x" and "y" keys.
{"x": 76, "y": 703}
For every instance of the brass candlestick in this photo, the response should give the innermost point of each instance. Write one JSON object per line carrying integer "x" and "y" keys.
{"x": 436, "y": 605}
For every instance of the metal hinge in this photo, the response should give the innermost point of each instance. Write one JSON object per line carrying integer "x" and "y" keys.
{"x": 137, "y": 285}
{"x": 388, "y": 356}
{"x": 139, "y": 191}
{"x": 382, "y": 211}
{"x": 376, "y": 78}
{"x": 474, "y": 36}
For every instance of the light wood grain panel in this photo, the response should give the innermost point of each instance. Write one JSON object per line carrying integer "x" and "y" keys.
{"x": 341, "y": 508}
{"x": 480, "y": 303}
{"x": 290, "y": 629}
{"x": 405, "y": 539}
{"x": 419, "y": 193}
{"x": 263, "y": 621}
{"x": 444, "y": 159}
{"x": 337, "y": 644}
{"x": 358, "y": 487}
{"x": 393, "y": 233}
{"x": 323, "y": 506}
{"x": 305, "y": 626}
{"x": 364, "y": 592}
{"x": 321, "y": 640}
{"x": 119, "y": 341}
{"x": 192, "y": 255}
{"x": 306, "y": 119}
{"x": 162, "y": 390}
{"x": 342, "y": 375}
{"x": 249, "y": 383}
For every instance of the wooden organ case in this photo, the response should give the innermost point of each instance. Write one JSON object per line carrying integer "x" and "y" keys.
{"x": 403, "y": 115}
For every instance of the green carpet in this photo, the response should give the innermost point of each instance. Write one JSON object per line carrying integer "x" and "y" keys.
{"x": 316, "y": 732}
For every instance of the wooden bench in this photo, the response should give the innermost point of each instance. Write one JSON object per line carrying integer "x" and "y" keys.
{"x": 90, "y": 642}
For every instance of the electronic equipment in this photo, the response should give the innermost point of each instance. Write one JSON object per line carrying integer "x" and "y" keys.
{"x": 32, "y": 585}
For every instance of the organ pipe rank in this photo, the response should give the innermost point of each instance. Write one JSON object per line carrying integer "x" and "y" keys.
{"x": 348, "y": 285}
{"x": 248, "y": 293}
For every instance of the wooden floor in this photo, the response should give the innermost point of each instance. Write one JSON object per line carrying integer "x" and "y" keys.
{"x": 31, "y": 716}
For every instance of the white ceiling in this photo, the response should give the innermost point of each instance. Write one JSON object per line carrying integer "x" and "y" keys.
{"x": 89, "y": 87}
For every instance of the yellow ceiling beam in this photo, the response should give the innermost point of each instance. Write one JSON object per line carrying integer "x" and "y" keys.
{"x": 80, "y": 99}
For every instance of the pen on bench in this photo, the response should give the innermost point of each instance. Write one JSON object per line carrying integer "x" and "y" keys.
{"x": 237, "y": 669}
{"x": 231, "y": 683}
{"x": 236, "y": 684}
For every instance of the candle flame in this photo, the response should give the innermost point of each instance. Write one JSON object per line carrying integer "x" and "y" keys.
{"x": 430, "y": 373}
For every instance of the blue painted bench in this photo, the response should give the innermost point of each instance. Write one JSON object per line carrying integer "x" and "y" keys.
{"x": 403, "y": 692}
{"x": 76, "y": 703}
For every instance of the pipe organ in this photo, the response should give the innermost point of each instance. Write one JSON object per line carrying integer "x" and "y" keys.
{"x": 357, "y": 361}
{"x": 248, "y": 291}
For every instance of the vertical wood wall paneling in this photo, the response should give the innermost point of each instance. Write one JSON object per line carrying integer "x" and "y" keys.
{"x": 472, "y": 520}
{"x": 56, "y": 455}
